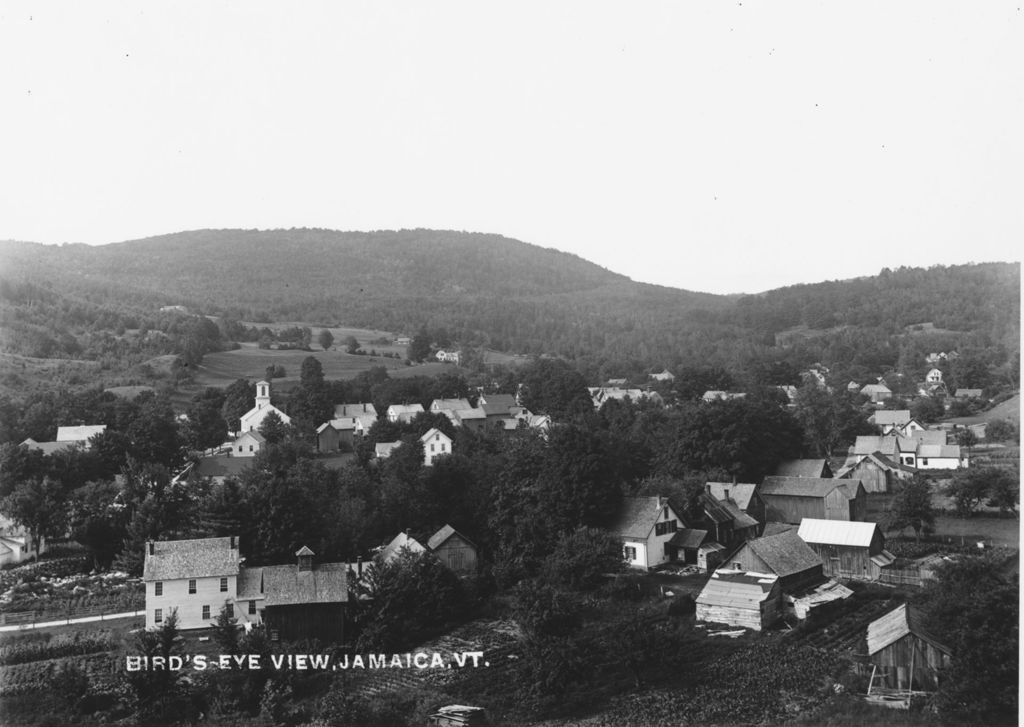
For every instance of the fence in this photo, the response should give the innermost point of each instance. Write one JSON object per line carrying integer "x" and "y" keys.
{"x": 45, "y": 615}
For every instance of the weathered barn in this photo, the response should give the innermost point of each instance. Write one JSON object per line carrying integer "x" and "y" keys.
{"x": 903, "y": 654}
{"x": 454, "y": 549}
{"x": 737, "y": 598}
{"x": 791, "y": 499}
{"x": 784, "y": 555}
{"x": 305, "y": 600}
{"x": 847, "y": 549}
{"x": 875, "y": 471}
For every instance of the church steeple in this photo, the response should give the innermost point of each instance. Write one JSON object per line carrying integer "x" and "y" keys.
{"x": 262, "y": 394}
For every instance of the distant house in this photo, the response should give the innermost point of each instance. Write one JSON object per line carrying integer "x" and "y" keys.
{"x": 744, "y": 600}
{"x": 804, "y": 468}
{"x": 48, "y": 448}
{"x": 646, "y": 526}
{"x": 403, "y": 341}
{"x": 473, "y": 418}
{"x": 791, "y": 499}
{"x": 383, "y": 450}
{"x": 353, "y": 411}
{"x": 875, "y": 471}
{"x": 934, "y": 376}
{"x": 454, "y": 357}
{"x": 435, "y": 444}
{"x": 617, "y": 382}
{"x": 665, "y": 375}
{"x": 876, "y": 392}
{"x": 454, "y": 549}
{"x": 440, "y": 406}
{"x": 248, "y": 444}
{"x": 400, "y": 541}
{"x": 600, "y": 395}
{"x": 853, "y": 387}
{"x": 253, "y": 419}
{"x": 924, "y": 449}
{"x": 404, "y": 413}
{"x": 709, "y": 396}
{"x": 217, "y": 468}
{"x": 784, "y": 555}
{"x": 16, "y": 544}
{"x": 80, "y": 433}
{"x": 903, "y": 654}
{"x": 847, "y": 549}
{"x": 499, "y": 405}
{"x": 940, "y": 457}
{"x": 897, "y": 422}
{"x": 968, "y": 394}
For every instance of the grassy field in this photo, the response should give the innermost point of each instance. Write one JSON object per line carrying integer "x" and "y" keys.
{"x": 250, "y": 362}
{"x": 1009, "y": 409}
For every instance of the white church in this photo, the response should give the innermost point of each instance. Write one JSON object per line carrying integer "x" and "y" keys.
{"x": 253, "y": 419}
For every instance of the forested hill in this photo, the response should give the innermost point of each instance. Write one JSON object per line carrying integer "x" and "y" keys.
{"x": 494, "y": 290}
{"x": 487, "y": 290}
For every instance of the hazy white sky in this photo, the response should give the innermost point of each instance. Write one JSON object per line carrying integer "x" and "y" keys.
{"x": 726, "y": 147}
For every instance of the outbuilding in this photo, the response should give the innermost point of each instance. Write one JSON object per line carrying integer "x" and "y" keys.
{"x": 903, "y": 654}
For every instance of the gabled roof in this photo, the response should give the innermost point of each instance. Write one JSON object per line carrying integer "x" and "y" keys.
{"x": 806, "y": 486}
{"x": 897, "y": 417}
{"x": 930, "y": 436}
{"x": 837, "y": 532}
{"x": 466, "y": 414}
{"x": 737, "y": 589}
{"x": 402, "y": 540}
{"x": 200, "y": 558}
{"x": 637, "y": 516}
{"x": 939, "y": 451}
{"x": 404, "y": 409}
{"x": 286, "y": 585}
{"x": 869, "y": 444}
{"x": 498, "y": 400}
{"x": 221, "y": 466}
{"x": 802, "y": 468}
{"x": 725, "y": 511}
{"x": 739, "y": 492}
{"x": 383, "y": 449}
{"x": 453, "y": 404}
{"x": 49, "y": 447}
{"x": 875, "y": 389}
{"x": 689, "y": 538}
{"x": 432, "y": 433}
{"x": 896, "y": 624}
{"x": 79, "y": 434}
{"x": 441, "y": 536}
{"x": 343, "y": 411}
{"x": 785, "y": 553}
{"x": 252, "y": 434}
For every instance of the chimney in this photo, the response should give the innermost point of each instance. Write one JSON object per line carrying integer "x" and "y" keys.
{"x": 359, "y": 567}
{"x": 151, "y": 546}
{"x": 233, "y": 544}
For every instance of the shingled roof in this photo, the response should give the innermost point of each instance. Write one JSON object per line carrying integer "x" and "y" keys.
{"x": 897, "y": 417}
{"x": 785, "y": 553}
{"x": 896, "y": 624}
{"x": 637, "y": 517}
{"x": 441, "y": 536}
{"x": 737, "y": 590}
{"x": 739, "y": 492}
{"x": 807, "y": 486}
{"x": 200, "y": 558}
{"x": 802, "y": 468}
{"x": 286, "y": 585}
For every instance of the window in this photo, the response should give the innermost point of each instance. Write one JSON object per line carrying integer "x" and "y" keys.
{"x": 239, "y": 447}
{"x": 442, "y": 447}
{"x": 158, "y": 588}
{"x": 250, "y": 447}
{"x": 665, "y": 528}
{"x": 224, "y": 585}
{"x": 924, "y": 461}
{"x": 252, "y": 608}
{"x": 736, "y": 565}
{"x": 158, "y": 616}
{"x": 431, "y": 447}
{"x": 192, "y": 586}
{"x": 630, "y": 552}
{"x": 206, "y": 613}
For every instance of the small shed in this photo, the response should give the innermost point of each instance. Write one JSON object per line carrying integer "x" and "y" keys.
{"x": 454, "y": 549}
{"x": 847, "y": 549}
{"x": 739, "y": 598}
{"x": 903, "y": 654}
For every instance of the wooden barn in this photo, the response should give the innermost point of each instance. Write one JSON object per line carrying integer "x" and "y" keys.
{"x": 875, "y": 471}
{"x": 784, "y": 555}
{"x": 847, "y": 549}
{"x": 304, "y": 600}
{"x": 736, "y": 598}
{"x": 791, "y": 499}
{"x": 903, "y": 655}
{"x": 454, "y": 549}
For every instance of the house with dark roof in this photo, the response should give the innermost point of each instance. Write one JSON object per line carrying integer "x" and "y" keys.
{"x": 743, "y": 494}
{"x": 301, "y": 600}
{"x": 646, "y": 526}
{"x": 903, "y": 654}
{"x": 784, "y": 555}
{"x": 725, "y": 522}
{"x": 847, "y": 549}
{"x": 745, "y": 600}
{"x": 804, "y": 468}
{"x": 791, "y": 499}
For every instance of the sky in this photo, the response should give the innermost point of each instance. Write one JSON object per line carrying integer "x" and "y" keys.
{"x": 724, "y": 147}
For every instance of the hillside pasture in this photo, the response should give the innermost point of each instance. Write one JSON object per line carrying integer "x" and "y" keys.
{"x": 1009, "y": 409}
{"x": 251, "y": 362}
